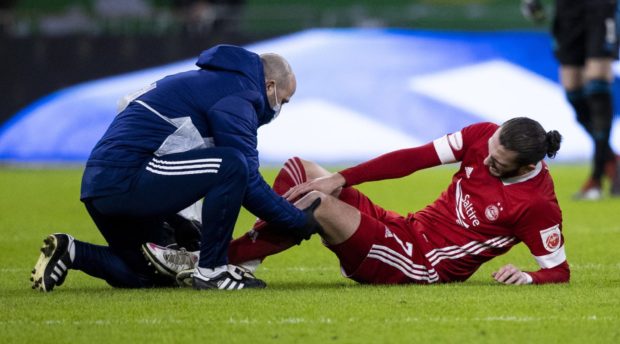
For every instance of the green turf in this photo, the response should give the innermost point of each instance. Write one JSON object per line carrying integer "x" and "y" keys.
{"x": 307, "y": 300}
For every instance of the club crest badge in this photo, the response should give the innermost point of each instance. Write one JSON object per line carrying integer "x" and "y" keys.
{"x": 551, "y": 238}
{"x": 492, "y": 211}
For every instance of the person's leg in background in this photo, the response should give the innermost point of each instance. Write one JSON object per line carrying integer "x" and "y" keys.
{"x": 585, "y": 39}
{"x": 601, "y": 48}
{"x": 598, "y": 77}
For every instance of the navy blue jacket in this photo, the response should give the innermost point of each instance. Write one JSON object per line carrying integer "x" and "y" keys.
{"x": 226, "y": 100}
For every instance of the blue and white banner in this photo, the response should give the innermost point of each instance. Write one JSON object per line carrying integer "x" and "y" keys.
{"x": 361, "y": 93}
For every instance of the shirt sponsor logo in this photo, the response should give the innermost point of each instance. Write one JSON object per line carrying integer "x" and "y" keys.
{"x": 551, "y": 238}
{"x": 465, "y": 212}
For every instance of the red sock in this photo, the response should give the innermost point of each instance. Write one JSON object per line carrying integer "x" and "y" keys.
{"x": 262, "y": 240}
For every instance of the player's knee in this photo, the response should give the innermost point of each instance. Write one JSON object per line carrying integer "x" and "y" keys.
{"x": 309, "y": 198}
{"x": 327, "y": 202}
{"x": 312, "y": 169}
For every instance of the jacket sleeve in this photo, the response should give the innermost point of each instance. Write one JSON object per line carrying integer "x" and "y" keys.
{"x": 233, "y": 123}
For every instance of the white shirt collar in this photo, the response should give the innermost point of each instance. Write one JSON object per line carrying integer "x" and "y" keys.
{"x": 518, "y": 179}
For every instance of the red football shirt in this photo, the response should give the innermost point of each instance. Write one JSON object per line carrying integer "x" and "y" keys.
{"x": 481, "y": 216}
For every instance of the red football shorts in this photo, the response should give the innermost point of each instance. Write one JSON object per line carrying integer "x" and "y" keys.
{"x": 383, "y": 249}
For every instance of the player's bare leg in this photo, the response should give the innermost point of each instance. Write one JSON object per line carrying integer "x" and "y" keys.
{"x": 338, "y": 220}
{"x": 598, "y": 68}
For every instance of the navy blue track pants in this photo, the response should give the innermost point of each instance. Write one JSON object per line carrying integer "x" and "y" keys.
{"x": 164, "y": 186}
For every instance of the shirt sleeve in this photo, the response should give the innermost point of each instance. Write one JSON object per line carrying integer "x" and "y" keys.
{"x": 392, "y": 165}
{"x": 557, "y": 274}
{"x": 452, "y": 147}
{"x": 444, "y": 150}
{"x": 234, "y": 124}
{"x": 541, "y": 232}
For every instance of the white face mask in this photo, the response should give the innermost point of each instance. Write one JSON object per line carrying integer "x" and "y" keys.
{"x": 278, "y": 106}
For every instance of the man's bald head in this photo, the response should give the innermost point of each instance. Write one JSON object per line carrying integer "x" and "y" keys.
{"x": 276, "y": 68}
{"x": 280, "y": 82}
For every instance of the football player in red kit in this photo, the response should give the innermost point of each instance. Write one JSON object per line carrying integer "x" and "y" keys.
{"x": 501, "y": 195}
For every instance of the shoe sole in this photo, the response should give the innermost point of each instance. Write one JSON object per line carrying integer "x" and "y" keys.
{"x": 185, "y": 279}
{"x": 152, "y": 261}
{"x": 47, "y": 252}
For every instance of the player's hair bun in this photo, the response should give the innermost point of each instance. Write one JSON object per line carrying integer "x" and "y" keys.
{"x": 553, "y": 139}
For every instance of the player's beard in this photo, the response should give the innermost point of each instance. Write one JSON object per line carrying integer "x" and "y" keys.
{"x": 504, "y": 174}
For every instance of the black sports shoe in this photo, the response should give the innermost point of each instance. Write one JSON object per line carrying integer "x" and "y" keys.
{"x": 234, "y": 278}
{"x": 54, "y": 262}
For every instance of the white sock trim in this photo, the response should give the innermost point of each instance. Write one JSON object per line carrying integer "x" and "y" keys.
{"x": 251, "y": 265}
{"x": 72, "y": 250}
{"x": 211, "y": 273}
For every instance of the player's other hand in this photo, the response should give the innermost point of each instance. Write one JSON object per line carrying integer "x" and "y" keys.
{"x": 327, "y": 185}
{"x": 509, "y": 274}
{"x": 533, "y": 10}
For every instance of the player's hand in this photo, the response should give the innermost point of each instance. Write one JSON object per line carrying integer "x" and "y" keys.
{"x": 509, "y": 274}
{"x": 326, "y": 185}
{"x": 533, "y": 10}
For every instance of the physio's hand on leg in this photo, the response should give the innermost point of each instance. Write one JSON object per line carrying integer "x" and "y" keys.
{"x": 326, "y": 185}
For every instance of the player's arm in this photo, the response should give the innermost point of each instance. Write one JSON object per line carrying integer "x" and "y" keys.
{"x": 396, "y": 164}
{"x": 542, "y": 234}
{"x": 400, "y": 163}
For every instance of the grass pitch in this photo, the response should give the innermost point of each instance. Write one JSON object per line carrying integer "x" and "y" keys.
{"x": 307, "y": 300}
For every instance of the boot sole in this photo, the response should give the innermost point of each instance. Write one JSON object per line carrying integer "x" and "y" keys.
{"x": 152, "y": 261}
{"x": 47, "y": 252}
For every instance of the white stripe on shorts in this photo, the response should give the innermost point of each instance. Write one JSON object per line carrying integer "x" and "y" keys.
{"x": 405, "y": 265}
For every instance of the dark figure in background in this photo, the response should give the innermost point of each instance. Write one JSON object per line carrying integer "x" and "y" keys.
{"x": 6, "y": 15}
{"x": 585, "y": 36}
{"x": 203, "y": 16}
